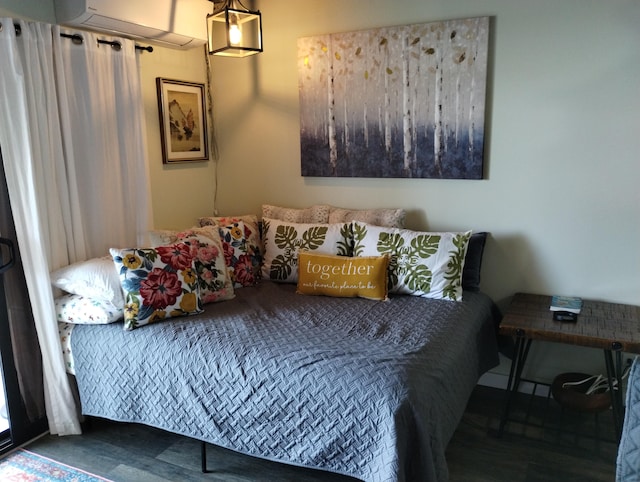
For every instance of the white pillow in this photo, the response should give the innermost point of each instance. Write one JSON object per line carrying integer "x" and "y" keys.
{"x": 422, "y": 264}
{"x": 95, "y": 278}
{"x": 79, "y": 310}
{"x": 283, "y": 240}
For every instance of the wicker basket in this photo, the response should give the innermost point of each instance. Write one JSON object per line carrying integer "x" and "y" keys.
{"x": 574, "y": 397}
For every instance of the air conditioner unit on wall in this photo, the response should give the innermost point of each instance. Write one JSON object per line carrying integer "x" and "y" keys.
{"x": 171, "y": 23}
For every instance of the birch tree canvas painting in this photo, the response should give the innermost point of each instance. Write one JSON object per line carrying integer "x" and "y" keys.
{"x": 404, "y": 101}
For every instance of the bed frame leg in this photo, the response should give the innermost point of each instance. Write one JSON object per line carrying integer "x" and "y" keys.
{"x": 203, "y": 457}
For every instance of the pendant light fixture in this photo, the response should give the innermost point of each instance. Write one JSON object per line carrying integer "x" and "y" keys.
{"x": 233, "y": 30}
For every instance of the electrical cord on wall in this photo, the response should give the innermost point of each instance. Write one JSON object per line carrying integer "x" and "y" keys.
{"x": 213, "y": 151}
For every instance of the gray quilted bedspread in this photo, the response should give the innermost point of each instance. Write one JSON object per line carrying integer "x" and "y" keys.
{"x": 365, "y": 388}
{"x": 628, "y": 463}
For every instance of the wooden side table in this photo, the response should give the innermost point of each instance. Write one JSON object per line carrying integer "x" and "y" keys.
{"x": 612, "y": 327}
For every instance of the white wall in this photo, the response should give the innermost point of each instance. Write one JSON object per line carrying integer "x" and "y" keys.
{"x": 560, "y": 195}
{"x": 40, "y": 10}
{"x": 184, "y": 191}
{"x": 180, "y": 192}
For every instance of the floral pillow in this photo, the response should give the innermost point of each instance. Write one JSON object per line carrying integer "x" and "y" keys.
{"x": 81, "y": 310}
{"x": 283, "y": 240}
{"x": 422, "y": 264}
{"x": 158, "y": 283}
{"x": 209, "y": 261}
{"x": 64, "y": 333}
{"x": 242, "y": 246}
{"x": 239, "y": 257}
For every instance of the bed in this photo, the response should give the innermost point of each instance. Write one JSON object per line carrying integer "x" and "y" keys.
{"x": 370, "y": 389}
{"x": 371, "y": 386}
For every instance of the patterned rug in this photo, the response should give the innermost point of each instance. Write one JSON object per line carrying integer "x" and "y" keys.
{"x": 23, "y": 466}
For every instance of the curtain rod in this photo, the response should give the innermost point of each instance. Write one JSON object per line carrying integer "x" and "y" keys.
{"x": 76, "y": 38}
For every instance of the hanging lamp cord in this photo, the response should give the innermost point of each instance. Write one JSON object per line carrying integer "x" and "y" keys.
{"x": 213, "y": 142}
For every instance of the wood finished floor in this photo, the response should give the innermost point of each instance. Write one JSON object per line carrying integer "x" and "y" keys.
{"x": 547, "y": 448}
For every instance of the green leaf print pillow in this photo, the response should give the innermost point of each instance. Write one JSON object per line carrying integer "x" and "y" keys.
{"x": 422, "y": 264}
{"x": 283, "y": 240}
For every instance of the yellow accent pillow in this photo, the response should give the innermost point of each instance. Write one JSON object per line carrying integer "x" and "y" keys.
{"x": 342, "y": 276}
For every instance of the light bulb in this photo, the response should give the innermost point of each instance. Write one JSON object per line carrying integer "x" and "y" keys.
{"x": 235, "y": 34}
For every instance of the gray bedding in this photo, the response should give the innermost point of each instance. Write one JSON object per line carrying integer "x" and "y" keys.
{"x": 365, "y": 388}
{"x": 628, "y": 461}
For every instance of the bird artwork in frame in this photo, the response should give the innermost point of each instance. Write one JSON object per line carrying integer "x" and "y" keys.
{"x": 183, "y": 126}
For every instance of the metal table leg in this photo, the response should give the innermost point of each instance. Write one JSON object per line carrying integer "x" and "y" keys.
{"x": 614, "y": 378}
{"x": 203, "y": 457}
{"x": 515, "y": 374}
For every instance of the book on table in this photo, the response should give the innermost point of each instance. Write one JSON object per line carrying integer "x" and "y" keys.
{"x": 572, "y": 304}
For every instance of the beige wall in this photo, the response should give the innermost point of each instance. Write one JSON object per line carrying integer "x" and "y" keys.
{"x": 41, "y": 10}
{"x": 181, "y": 192}
{"x": 560, "y": 195}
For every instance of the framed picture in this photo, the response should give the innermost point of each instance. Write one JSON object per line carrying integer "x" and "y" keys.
{"x": 183, "y": 123}
{"x": 403, "y": 101}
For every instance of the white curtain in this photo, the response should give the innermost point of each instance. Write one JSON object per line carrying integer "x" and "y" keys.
{"x": 72, "y": 136}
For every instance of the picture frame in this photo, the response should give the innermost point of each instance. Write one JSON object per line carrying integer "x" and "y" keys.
{"x": 405, "y": 101}
{"x": 183, "y": 121}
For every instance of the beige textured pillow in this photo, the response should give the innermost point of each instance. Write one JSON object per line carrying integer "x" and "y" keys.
{"x": 314, "y": 214}
{"x": 160, "y": 237}
{"x": 389, "y": 218}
